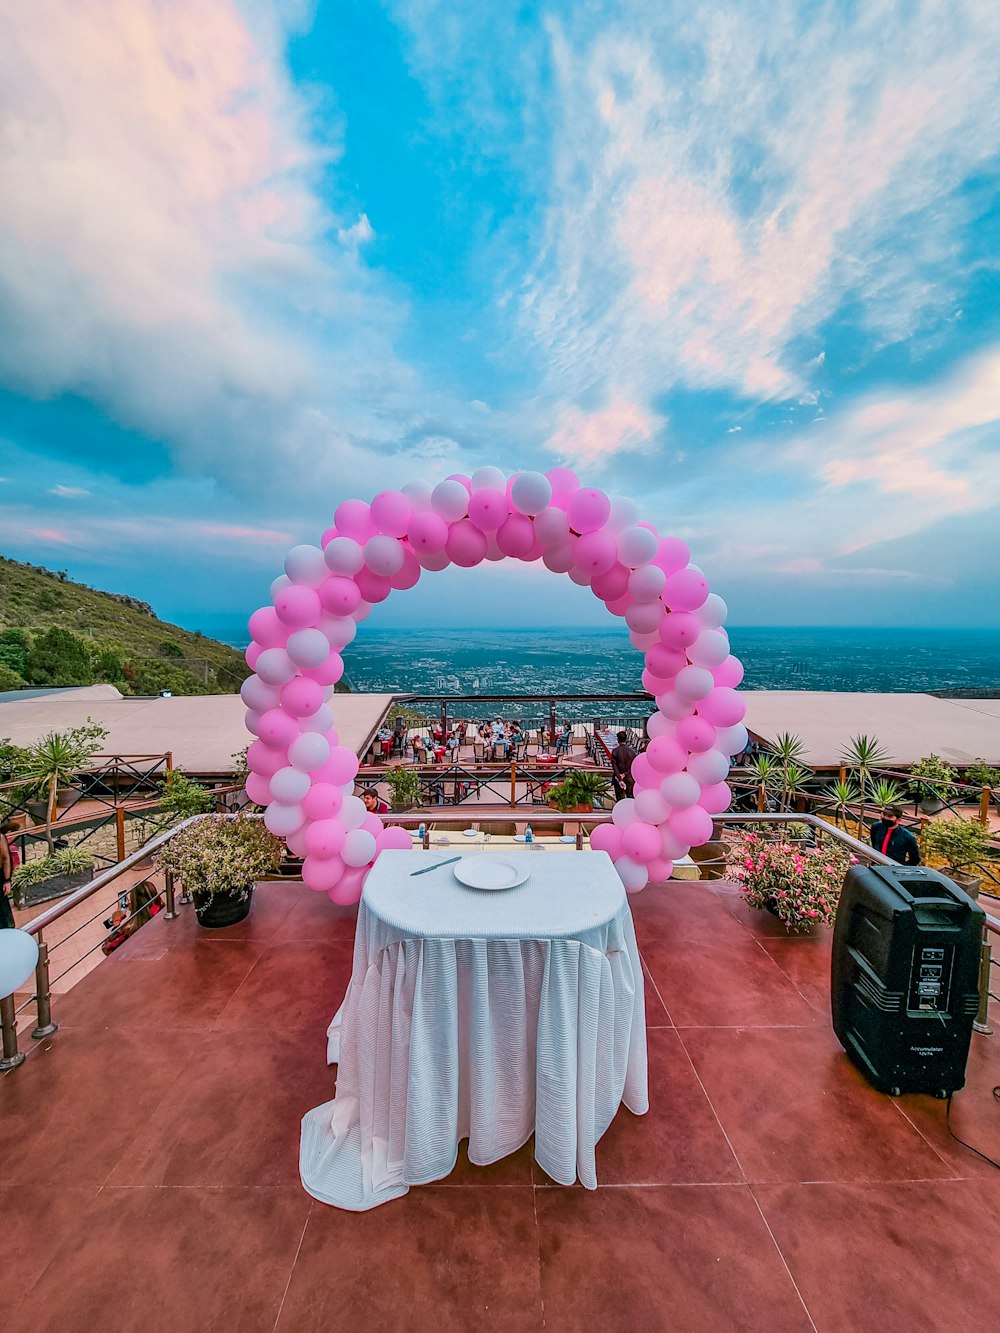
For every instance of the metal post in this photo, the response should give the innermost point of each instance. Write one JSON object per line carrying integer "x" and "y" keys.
{"x": 43, "y": 995}
{"x": 120, "y": 830}
{"x": 552, "y": 723}
{"x": 984, "y": 807}
{"x": 12, "y": 1057}
{"x": 513, "y": 783}
{"x": 170, "y": 910}
{"x": 444, "y": 720}
{"x": 982, "y": 1023}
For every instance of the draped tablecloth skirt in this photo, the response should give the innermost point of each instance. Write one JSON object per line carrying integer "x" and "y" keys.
{"x": 525, "y": 1015}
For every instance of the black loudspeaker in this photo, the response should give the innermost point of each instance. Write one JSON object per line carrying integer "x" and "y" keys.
{"x": 905, "y": 977}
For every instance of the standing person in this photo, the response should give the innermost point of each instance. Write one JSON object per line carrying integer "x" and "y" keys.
{"x": 8, "y": 864}
{"x": 889, "y": 837}
{"x": 622, "y": 758}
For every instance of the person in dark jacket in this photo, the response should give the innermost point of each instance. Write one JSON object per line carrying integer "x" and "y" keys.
{"x": 890, "y": 838}
{"x": 622, "y": 757}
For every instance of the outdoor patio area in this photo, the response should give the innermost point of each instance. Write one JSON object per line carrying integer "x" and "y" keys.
{"x": 149, "y": 1170}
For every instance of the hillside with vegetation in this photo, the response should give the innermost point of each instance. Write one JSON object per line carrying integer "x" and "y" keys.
{"x": 57, "y": 632}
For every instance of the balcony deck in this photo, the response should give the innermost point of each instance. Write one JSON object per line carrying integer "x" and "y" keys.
{"x": 148, "y": 1176}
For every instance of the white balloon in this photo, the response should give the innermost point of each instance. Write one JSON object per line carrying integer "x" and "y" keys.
{"x": 362, "y": 611}
{"x": 309, "y": 752}
{"x": 306, "y": 565}
{"x": 321, "y": 722}
{"x": 643, "y": 641}
{"x": 384, "y": 555}
{"x": 579, "y": 577}
{"x": 450, "y": 499}
{"x": 672, "y": 706}
{"x": 275, "y": 667}
{"x": 732, "y": 740}
{"x": 693, "y": 683}
{"x": 433, "y": 561}
{"x": 344, "y": 556}
{"x": 352, "y": 812}
{"x": 531, "y": 492}
{"x": 633, "y": 874}
{"x": 18, "y": 956}
{"x": 709, "y": 767}
{"x": 712, "y": 612}
{"x": 710, "y": 649}
{"x": 651, "y": 807}
{"x": 680, "y": 790}
{"x": 289, "y": 785}
{"x": 256, "y": 694}
{"x": 493, "y": 551}
{"x": 279, "y": 585}
{"x": 296, "y": 842}
{"x": 647, "y": 582}
{"x": 559, "y": 558}
{"x": 251, "y": 720}
{"x": 552, "y": 526}
{"x": 658, "y": 725}
{"x": 624, "y": 813}
{"x": 359, "y": 848}
{"x": 308, "y": 647}
{"x": 282, "y": 820}
{"x": 624, "y": 513}
{"x": 636, "y": 546}
{"x": 338, "y": 631}
{"x": 488, "y": 479}
{"x": 418, "y": 493}
{"x": 645, "y": 616}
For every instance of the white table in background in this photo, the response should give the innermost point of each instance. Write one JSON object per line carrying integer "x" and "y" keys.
{"x": 489, "y": 1016}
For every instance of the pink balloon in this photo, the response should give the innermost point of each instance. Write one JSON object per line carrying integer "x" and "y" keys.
{"x": 373, "y": 824}
{"x": 265, "y": 760}
{"x": 730, "y": 673}
{"x": 716, "y": 799}
{"x": 673, "y": 847}
{"x": 660, "y": 870}
{"x": 696, "y": 734}
{"x": 693, "y": 825}
{"x": 607, "y": 838}
{"x": 339, "y": 595}
{"x": 641, "y": 842}
{"x": 466, "y": 544}
{"x": 678, "y": 629}
{"x": 394, "y": 839}
{"x": 258, "y": 789}
{"x": 588, "y": 509}
{"x": 564, "y": 483}
{"x": 276, "y": 729}
{"x": 613, "y": 584}
{"x": 644, "y": 616}
{"x": 620, "y": 605}
{"x": 327, "y": 537}
{"x": 663, "y": 661}
{"x": 340, "y": 768}
{"x": 723, "y": 707}
{"x": 643, "y": 772}
{"x": 252, "y": 653}
{"x": 301, "y": 697}
{"x": 535, "y": 553}
{"x": 516, "y": 535}
{"x": 348, "y": 890}
{"x": 673, "y": 706}
{"x": 324, "y": 839}
{"x": 322, "y": 873}
{"x": 552, "y": 526}
{"x": 488, "y": 508}
{"x": 596, "y": 553}
{"x": 297, "y": 606}
{"x": 266, "y": 629}
{"x": 559, "y": 558}
{"x": 428, "y": 532}
{"x": 392, "y": 512}
{"x": 409, "y": 573}
{"x": 686, "y": 590}
{"x": 322, "y": 801}
{"x": 646, "y": 584}
{"x": 462, "y": 480}
{"x": 671, "y": 555}
{"x": 353, "y": 518}
{"x": 328, "y": 673}
{"x": 666, "y": 755}
{"x": 657, "y": 725}
{"x": 654, "y": 684}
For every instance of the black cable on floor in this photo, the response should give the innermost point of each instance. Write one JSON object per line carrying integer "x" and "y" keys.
{"x": 947, "y": 1119}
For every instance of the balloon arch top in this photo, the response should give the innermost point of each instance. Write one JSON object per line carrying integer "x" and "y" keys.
{"x": 305, "y": 777}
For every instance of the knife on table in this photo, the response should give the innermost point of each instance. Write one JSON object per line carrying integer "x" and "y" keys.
{"x": 436, "y": 866}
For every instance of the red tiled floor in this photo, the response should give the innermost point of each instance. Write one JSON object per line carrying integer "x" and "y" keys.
{"x": 297, "y": 984}
{"x": 656, "y": 1011}
{"x": 897, "y": 1257}
{"x": 174, "y": 1260}
{"x": 514, "y": 1169}
{"x": 682, "y": 1257}
{"x": 724, "y": 984}
{"x": 975, "y": 1114}
{"x": 36, "y": 1218}
{"x": 437, "y": 1259}
{"x": 795, "y": 1108}
{"x": 806, "y": 964}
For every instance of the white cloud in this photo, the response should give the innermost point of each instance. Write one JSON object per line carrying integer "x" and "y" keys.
{"x": 69, "y": 492}
{"x": 593, "y": 437}
{"x": 360, "y": 233}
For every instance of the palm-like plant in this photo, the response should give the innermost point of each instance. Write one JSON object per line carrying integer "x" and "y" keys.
{"x": 885, "y": 792}
{"x": 767, "y": 774}
{"x": 844, "y": 794}
{"x": 787, "y": 748}
{"x": 863, "y": 754}
{"x": 793, "y": 778}
{"x": 54, "y": 762}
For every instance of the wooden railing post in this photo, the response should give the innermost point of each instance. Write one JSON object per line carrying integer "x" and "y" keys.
{"x": 513, "y": 783}
{"x": 984, "y": 807}
{"x": 120, "y": 830}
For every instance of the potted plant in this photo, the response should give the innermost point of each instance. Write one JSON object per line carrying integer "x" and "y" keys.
{"x": 52, "y": 876}
{"x": 799, "y": 885}
{"x": 926, "y": 775}
{"x": 960, "y": 845}
{"x": 50, "y": 766}
{"x": 982, "y": 774}
{"x": 579, "y": 792}
{"x": 219, "y": 860}
{"x": 404, "y": 787}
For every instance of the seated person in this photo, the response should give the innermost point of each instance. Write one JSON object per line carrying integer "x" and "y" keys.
{"x": 143, "y": 903}
{"x": 385, "y": 741}
{"x": 451, "y": 745}
{"x": 419, "y": 749}
{"x": 374, "y": 803}
{"x": 564, "y": 739}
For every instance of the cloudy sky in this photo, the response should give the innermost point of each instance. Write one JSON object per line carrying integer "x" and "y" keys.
{"x": 738, "y": 261}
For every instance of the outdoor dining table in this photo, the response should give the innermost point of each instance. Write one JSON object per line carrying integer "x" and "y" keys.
{"x": 483, "y": 1015}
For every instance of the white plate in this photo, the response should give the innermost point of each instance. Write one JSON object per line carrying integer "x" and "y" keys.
{"x": 489, "y": 872}
{"x": 567, "y": 837}
{"x": 470, "y": 832}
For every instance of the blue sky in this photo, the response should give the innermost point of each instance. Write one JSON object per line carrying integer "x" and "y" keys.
{"x": 736, "y": 261}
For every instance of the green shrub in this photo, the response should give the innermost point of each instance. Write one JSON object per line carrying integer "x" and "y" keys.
{"x": 69, "y": 861}
{"x": 59, "y": 657}
{"x": 961, "y": 843}
{"x": 404, "y": 786}
{"x": 9, "y": 679}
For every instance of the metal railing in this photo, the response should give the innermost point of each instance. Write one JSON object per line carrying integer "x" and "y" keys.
{"x": 584, "y": 822}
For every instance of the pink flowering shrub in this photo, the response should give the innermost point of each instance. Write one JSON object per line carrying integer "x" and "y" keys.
{"x": 800, "y": 885}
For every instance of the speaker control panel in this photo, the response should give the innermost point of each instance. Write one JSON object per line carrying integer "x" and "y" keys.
{"x": 930, "y": 978}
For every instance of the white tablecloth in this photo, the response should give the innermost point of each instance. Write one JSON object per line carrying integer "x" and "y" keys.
{"x": 490, "y": 1016}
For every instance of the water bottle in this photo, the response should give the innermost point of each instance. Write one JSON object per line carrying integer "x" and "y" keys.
{"x": 422, "y": 834}
{"x": 529, "y": 837}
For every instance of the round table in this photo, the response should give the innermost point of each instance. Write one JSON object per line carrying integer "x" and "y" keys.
{"x": 486, "y": 1016}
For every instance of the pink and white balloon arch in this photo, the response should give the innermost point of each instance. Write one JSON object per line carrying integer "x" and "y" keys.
{"x": 305, "y": 777}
